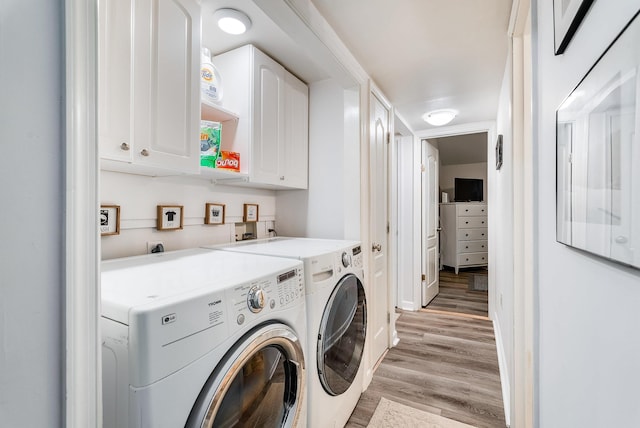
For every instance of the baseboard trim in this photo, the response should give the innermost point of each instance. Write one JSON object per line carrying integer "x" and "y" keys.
{"x": 504, "y": 371}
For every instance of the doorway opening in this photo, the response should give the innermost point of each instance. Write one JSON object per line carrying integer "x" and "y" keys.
{"x": 463, "y": 224}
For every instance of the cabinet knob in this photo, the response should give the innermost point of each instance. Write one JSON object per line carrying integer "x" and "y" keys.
{"x": 282, "y": 177}
{"x": 124, "y": 146}
{"x": 144, "y": 152}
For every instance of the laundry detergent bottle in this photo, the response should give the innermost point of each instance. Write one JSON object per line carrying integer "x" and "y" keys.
{"x": 210, "y": 80}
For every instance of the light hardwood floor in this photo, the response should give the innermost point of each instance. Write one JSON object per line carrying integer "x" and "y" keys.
{"x": 455, "y": 296}
{"x": 445, "y": 363}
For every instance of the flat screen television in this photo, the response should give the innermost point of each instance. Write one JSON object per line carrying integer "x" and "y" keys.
{"x": 468, "y": 189}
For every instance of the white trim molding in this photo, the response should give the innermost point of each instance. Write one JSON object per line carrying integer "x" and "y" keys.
{"x": 83, "y": 406}
{"x": 504, "y": 371}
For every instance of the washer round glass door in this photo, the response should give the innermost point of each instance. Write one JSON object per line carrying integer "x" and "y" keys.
{"x": 341, "y": 336}
{"x": 259, "y": 383}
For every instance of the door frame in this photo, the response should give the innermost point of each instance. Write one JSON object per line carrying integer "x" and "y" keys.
{"x": 82, "y": 370}
{"x": 472, "y": 128}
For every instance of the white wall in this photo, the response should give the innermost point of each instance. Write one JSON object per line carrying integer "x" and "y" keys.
{"x": 409, "y": 223}
{"x": 448, "y": 173}
{"x": 32, "y": 229}
{"x": 588, "y": 308}
{"x": 331, "y": 207}
{"x": 501, "y": 237}
{"x": 138, "y": 197}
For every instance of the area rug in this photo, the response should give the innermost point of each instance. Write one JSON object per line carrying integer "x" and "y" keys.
{"x": 390, "y": 414}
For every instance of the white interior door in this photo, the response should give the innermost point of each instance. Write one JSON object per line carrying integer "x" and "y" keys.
{"x": 430, "y": 259}
{"x": 378, "y": 290}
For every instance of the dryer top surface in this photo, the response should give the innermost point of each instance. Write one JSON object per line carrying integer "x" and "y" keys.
{"x": 175, "y": 276}
{"x": 299, "y": 248}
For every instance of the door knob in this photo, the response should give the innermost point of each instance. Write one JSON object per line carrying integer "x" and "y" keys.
{"x": 376, "y": 247}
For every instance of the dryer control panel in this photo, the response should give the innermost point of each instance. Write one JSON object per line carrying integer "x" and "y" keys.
{"x": 356, "y": 257}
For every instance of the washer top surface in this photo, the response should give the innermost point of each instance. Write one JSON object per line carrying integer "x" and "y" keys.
{"x": 164, "y": 278}
{"x": 301, "y": 248}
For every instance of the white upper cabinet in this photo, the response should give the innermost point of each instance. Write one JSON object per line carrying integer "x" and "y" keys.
{"x": 273, "y": 110}
{"x": 295, "y": 153}
{"x": 148, "y": 86}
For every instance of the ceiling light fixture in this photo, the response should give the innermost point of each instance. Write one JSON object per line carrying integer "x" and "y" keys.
{"x": 232, "y": 21}
{"x": 439, "y": 117}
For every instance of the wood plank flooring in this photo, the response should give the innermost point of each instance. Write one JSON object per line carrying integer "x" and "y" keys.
{"x": 454, "y": 295}
{"x": 444, "y": 364}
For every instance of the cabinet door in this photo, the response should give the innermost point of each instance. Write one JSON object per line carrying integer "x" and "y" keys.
{"x": 166, "y": 84}
{"x": 268, "y": 119}
{"x": 294, "y": 156}
{"x": 115, "y": 79}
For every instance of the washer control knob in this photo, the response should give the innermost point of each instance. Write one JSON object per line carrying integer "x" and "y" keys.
{"x": 346, "y": 260}
{"x": 255, "y": 299}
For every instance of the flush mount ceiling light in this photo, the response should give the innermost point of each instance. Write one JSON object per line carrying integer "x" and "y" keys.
{"x": 439, "y": 117}
{"x": 232, "y": 21}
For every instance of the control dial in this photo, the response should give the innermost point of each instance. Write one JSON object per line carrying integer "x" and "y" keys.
{"x": 255, "y": 299}
{"x": 346, "y": 259}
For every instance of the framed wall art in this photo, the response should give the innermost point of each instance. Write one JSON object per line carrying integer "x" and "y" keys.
{"x": 567, "y": 16}
{"x": 170, "y": 217}
{"x": 214, "y": 213}
{"x": 109, "y": 216}
{"x": 250, "y": 213}
{"x": 598, "y": 153}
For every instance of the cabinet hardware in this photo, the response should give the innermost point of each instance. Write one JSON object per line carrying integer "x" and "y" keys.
{"x": 124, "y": 146}
{"x": 144, "y": 152}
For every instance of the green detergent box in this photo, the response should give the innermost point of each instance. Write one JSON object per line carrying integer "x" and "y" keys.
{"x": 209, "y": 143}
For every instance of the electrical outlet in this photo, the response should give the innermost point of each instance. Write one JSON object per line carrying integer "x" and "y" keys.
{"x": 153, "y": 244}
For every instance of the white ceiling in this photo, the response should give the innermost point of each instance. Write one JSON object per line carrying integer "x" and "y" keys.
{"x": 422, "y": 54}
{"x": 428, "y": 54}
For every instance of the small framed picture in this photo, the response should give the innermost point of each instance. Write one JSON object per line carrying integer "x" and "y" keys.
{"x": 170, "y": 217}
{"x": 214, "y": 214}
{"x": 250, "y": 213}
{"x": 499, "y": 152}
{"x": 109, "y": 220}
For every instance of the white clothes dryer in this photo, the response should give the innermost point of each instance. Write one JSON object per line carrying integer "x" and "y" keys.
{"x": 336, "y": 321}
{"x": 202, "y": 338}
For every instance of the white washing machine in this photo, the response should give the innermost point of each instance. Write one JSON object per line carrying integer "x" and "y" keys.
{"x": 202, "y": 338}
{"x": 336, "y": 321}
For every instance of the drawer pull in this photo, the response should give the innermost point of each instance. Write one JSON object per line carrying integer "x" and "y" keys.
{"x": 483, "y": 222}
{"x": 466, "y": 222}
{"x": 124, "y": 146}
{"x": 467, "y": 259}
{"x": 483, "y": 234}
{"x": 466, "y": 234}
{"x": 467, "y": 247}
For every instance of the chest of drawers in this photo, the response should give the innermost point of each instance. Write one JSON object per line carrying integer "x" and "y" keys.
{"x": 463, "y": 238}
